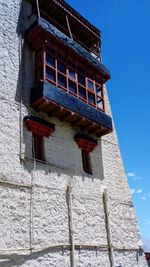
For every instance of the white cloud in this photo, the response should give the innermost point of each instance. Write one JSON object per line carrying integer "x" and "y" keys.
{"x": 132, "y": 191}
{"x": 134, "y": 176}
{"x": 148, "y": 222}
{"x": 143, "y": 198}
{"x": 131, "y": 174}
{"x": 139, "y": 191}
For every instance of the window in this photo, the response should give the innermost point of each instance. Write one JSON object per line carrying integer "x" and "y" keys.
{"x": 69, "y": 75}
{"x": 38, "y": 147}
{"x": 87, "y": 144}
{"x": 72, "y": 87}
{"x": 86, "y": 161}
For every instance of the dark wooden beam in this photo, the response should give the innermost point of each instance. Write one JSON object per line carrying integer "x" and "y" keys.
{"x": 96, "y": 129}
{"x": 67, "y": 116}
{"x": 42, "y": 105}
{"x": 76, "y": 121}
{"x": 85, "y": 127}
{"x": 53, "y": 112}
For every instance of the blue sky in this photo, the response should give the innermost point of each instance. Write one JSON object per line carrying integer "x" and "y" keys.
{"x": 125, "y": 26}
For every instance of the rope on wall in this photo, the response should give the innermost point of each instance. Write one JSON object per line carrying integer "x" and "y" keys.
{"x": 38, "y": 8}
{"x": 32, "y": 197}
{"x": 20, "y": 92}
{"x": 26, "y": 251}
{"x": 69, "y": 29}
{"x": 71, "y": 233}
{"x": 108, "y": 229}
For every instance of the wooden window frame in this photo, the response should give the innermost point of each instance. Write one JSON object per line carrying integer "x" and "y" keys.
{"x": 38, "y": 147}
{"x": 78, "y": 71}
{"x": 86, "y": 162}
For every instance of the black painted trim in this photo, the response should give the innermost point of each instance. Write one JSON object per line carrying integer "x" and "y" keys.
{"x": 61, "y": 98}
{"x": 85, "y": 137}
{"x": 39, "y": 120}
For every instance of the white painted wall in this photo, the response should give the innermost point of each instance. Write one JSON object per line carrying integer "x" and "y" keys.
{"x": 33, "y": 197}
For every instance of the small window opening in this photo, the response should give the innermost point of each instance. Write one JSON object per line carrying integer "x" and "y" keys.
{"x": 38, "y": 147}
{"x": 86, "y": 161}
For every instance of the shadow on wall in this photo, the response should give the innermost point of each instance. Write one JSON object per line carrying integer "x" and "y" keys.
{"x": 18, "y": 260}
{"x": 26, "y": 73}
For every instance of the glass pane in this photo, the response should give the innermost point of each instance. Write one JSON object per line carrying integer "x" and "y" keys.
{"x": 50, "y": 60}
{"x": 50, "y": 74}
{"x": 72, "y": 87}
{"x": 90, "y": 85}
{"x": 98, "y": 90}
{"x": 81, "y": 79}
{"x": 91, "y": 98}
{"x": 72, "y": 74}
{"x": 100, "y": 104}
{"x": 62, "y": 80}
{"x": 82, "y": 92}
{"x": 61, "y": 67}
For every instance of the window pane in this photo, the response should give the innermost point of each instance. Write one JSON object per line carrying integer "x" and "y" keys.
{"x": 72, "y": 74}
{"x": 38, "y": 147}
{"x": 72, "y": 87}
{"x": 86, "y": 161}
{"x": 91, "y": 98}
{"x": 98, "y": 90}
{"x": 62, "y": 80}
{"x": 81, "y": 79}
{"x": 61, "y": 67}
{"x": 82, "y": 92}
{"x": 50, "y": 60}
{"x": 90, "y": 85}
{"x": 100, "y": 104}
{"x": 50, "y": 74}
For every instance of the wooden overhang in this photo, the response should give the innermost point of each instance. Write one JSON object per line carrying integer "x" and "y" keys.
{"x": 42, "y": 32}
{"x": 56, "y": 102}
{"x": 85, "y": 142}
{"x": 38, "y": 126}
{"x": 55, "y": 11}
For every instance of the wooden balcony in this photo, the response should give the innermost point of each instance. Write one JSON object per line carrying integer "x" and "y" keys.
{"x": 55, "y": 102}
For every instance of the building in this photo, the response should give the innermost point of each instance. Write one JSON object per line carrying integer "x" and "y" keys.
{"x": 147, "y": 257}
{"x": 64, "y": 196}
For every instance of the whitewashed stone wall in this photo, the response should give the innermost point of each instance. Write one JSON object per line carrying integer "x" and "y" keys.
{"x": 34, "y": 219}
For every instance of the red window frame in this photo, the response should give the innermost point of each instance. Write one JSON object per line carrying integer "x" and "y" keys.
{"x": 83, "y": 92}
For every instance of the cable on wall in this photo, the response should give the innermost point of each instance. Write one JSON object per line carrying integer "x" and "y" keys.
{"x": 69, "y": 29}
{"x": 108, "y": 229}
{"x": 20, "y": 93}
{"x": 32, "y": 197}
{"x": 38, "y": 8}
{"x": 71, "y": 233}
